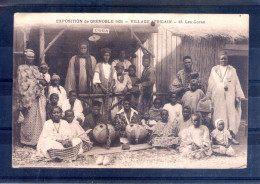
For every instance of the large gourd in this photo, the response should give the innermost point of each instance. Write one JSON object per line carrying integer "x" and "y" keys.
{"x": 136, "y": 133}
{"x": 100, "y": 133}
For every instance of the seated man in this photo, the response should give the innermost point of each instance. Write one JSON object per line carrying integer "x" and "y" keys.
{"x": 197, "y": 144}
{"x": 76, "y": 131}
{"x": 164, "y": 133}
{"x": 93, "y": 119}
{"x": 124, "y": 117}
{"x": 74, "y": 104}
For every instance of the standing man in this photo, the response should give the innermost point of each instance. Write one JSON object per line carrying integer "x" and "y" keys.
{"x": 146, "y": 85}
{"x": 81, "y": 70}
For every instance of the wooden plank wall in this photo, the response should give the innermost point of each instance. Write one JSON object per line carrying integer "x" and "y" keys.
{"x": 169, "y": 51}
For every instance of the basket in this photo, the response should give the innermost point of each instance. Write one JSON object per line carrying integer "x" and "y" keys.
{"x": 70, "y": 153}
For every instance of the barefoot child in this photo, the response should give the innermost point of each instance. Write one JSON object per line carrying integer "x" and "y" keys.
{"x": 147, "y": 122}
{"x": 222, "y": 139}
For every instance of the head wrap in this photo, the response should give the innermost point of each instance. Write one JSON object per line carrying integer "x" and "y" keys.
{"x": 105, "y": 50}
{"x": 203, "y": 106}
{"x": 120, "y": 64}
{"x": 217, "y": 121}
{"x": 29, "y": 52}
{"x": 55, "y": 76}
{"x": 44, "y": 65}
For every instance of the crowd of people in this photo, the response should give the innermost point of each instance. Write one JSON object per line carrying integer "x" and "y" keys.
{"x": 195, "y": 121}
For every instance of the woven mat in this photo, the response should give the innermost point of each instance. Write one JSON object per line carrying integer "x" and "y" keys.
{"x": 104, "y": 151}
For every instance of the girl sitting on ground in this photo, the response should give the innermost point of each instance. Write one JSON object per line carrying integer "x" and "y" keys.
{"x": 221, "y": 139}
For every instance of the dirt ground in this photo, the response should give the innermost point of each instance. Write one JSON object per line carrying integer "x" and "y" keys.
{"x": 150, "y": 158}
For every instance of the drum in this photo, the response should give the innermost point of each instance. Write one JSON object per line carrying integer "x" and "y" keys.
{"x": 136, "y": 133}
{"x": 100, "y": 133}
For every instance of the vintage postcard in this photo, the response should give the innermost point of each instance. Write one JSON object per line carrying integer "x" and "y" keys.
{"x": 101, "y": 90}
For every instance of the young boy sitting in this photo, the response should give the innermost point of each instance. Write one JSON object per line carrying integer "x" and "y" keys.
{"x": 54, "y": 98}
{"x": 191, "y": 98}
{"x": 147, "y": 122}
{"x": 155, "y": 110}
{"x": 76, "y": 131}
{"x": 74, "y": 104}
{"x": 221, "y": 139}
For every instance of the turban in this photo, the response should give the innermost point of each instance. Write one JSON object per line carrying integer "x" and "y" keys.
{"x": 55, "y": 76}
{"x": 217, "y": 121}
{"x": 203, "y": 106}
{"x": 120, "y": 64}
{"x": 44, "y": 65}
{"x": 29, "y": 52}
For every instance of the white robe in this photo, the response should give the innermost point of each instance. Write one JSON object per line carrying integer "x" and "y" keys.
{"x": 62, "y": 94}
{"x": 70, "y": 83}
{"x": 223, "y": 101}
{"x": 50, "y": 135}
{"x": 175, "y": 111}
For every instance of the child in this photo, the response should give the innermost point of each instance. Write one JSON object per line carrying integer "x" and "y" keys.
{"x": 147, "y": 122}
{"x": 54, "y": 98}
{"x": 155, "y": 110}
{"x": 196, "y": 144}
{"x": 191, "y": 98}
{"x": 76, "y": 131}
{"x": 221, "y": 139}
{"x": 55, "y": 87}
{"x": 147, "y": 83}
{"x": 164, "y": 133}
{"x": 44, "y": 70}
{"x": 74, "y": 104}
{"x": 122, "y": 84}
{"x": 174, "y": 108}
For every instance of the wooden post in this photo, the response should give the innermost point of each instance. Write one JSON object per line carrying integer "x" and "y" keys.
{"x": 42, "y": 45}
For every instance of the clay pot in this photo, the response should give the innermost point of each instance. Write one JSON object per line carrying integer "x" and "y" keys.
{"x": 100, "y": 133}
{"x": 136, "y": 133}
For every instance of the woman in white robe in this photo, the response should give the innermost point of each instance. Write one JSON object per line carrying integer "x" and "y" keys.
{"x": 56, "y": 134}
{"x": 225, "y": 93}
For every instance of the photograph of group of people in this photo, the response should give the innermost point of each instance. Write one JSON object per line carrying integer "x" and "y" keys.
{"x": 111, "y": 102}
